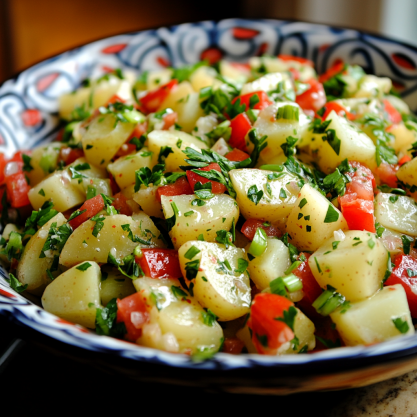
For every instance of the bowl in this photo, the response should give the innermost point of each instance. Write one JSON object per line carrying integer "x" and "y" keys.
{"x": 28, "y": 117}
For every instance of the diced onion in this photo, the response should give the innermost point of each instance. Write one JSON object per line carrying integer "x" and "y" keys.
{"x": 339, "y": 235}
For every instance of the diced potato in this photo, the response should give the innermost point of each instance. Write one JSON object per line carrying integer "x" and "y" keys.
{"x": 267, "y": 83}
{"x": 245, "y": 336}
{"x": 93, "y": 97}
{"x": 232, "y": 72}
{"x": 189, "y": 111}
{"x": 114, "y": 285}
{"x": 75, "y": 294}
{"x": 177, "y": 95}
{"x": 204, "y": 77}
{"x": 31, "y": 269}
{"x": 271, "y": 207}
{"x": 396, "y": 212}
{"x": 276, "y": 130}
{"x": 51, "y": 151}
{"x": 373, "y": 86}
{"x": 356, "y": 267}
{"x": 177, "y": 324}
{"x": 177, "y": 141}
{"x": 408, "y": 172}
{"x": 311, "y": 230}
{"x": 223, "y": 290}
{"x": 191, "y": 221}
{"x": 58, "y": 188}
{"x": 103, "y": 138}
{"x": 371, "y": 321}
{"x": 155, "y": 79}
{"x": 82, "y": 245}
{"x": 128, "y": 192}
{"x": 124, "y": 168}
{"x": 354, "y": 145}
{"x": 404, "y": 137}
{"x": 92, "y": 176}
{"x": 270, "y": 265}
{"x": 146, "y": 198}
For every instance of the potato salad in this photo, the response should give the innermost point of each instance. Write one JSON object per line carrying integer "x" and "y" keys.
{"x": 237, "y": 207}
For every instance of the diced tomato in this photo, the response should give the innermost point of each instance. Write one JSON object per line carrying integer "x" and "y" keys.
{"x": 237, "y": 155}
{"x": 294, "y": 73}
{"x": 263, "y": 100}
{"x": 240, "y": 127}
{"x": 120, "y": 203}
{"x": 337, "y": 68}
{"x": 113, "y": 184}
{"x": 17, "y": 157}
{"x": 153, "y": 99}
{"x": 311, "y": 288}
{"x": 160, "y": 263}
{"x": 339, "y": 109}
{"x": 362, "y": 172}
{"x": 268, "y": 333}
{"x": 92, "y": 207}
{"x": 303, "y": 61}
{"x": 3, "y": 162}
{"x": 241, "y": 67}
{"x": 17, "y": 189}
{"x": 405, "y": 266}
{"x": 128, "y": 148}
{"x": 393, "y": 114}
{"x": 251, "y": 225}
{"x": 362, "y": 190}
{"x": 133, "y": 312}
{"x": 358, "y": 213}
{"x": 169, "y": 120}
{"x": 69, "y": 155}
{"x": 314, "y": 98}
{"x": 404, "y": 159}
{"x": 233, "y": 345}
{"x": 181, "y": 186}
{"x": 387, "y": 173}
{"x": 114, "y": 99}
{"x": 216, "y": 187}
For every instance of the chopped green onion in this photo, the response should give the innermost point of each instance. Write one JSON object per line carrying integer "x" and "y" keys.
{"x": 288, "y": 112}
{"x": 328, "y": 301}
{"x": 259, "y": 243}
{"x": 272, "y": 167}
{"x": 293, "y": 283}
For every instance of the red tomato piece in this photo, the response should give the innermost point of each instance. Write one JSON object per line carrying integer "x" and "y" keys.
{"x": 314, "y": 98}
{"x": 263, "y": 98}
{"x": 358, "y": 213}
{"x": 160, "y": 263}
{"x": 216, "y": 187}
{"x": 251, "y": 225}
{"x": 17, "y": 190}
{"x": 337, "y": 68}
{"x": 128, "y": 148}
{"x": 120, "y": 204}
{"x": 311, "y": 288}
{"x": 339, "y": 109}
{"x": 92, "y": 207}
{"x": 181, "y": 186}
{"x": 393, "y": 114}
{"x": 237, "y": 155}
{"x": 169, "y": 120}
{"x": 268, "y": 333}
{"x": 233, "y": 345}
{"x": 69, "y": 155}
{"x": 3, "y": 163}
{"x": 240, "y": 127}
{"x": 113, "y": 185}
{"x": 387, "y": 173}
{"x": 153, "y": 99}
{"x": 303, "y": 61}
{"x": 17, "y": 157}
{"x": 133, "y": 312}
{"x": 405, "y": 266}
{"x": 404, "y": 159}
{"x": 362, "y": 172}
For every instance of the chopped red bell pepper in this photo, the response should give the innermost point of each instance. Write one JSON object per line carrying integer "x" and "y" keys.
{"x": 128, "y": 148}
{"x": 92, "y": 207}
{"x": 133, "y": 312}
{"x": 268, "y": 333}
{"x": 337, "y": 68}
{"x": 393, "y": 114}
{"x": 404, "y": 159}
{"x": 405, "y": 273}
{"x": 179, "y": 187}
{"x": 3, "y": 162}
{"x": 216, "y": 187}
{"x": 153, "y": 99}
{"x": 240, "y": 127}
{"x": 251, "y": 225}
{"x": 339, "y": 109}
{"x": 314, "y": 98}
{"x": 160, "y": 263}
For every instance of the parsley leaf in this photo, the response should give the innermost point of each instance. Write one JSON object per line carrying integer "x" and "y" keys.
{"x": 106, "y": 321}
{"x": 289, "y": 317}
{"x": 254, "y": 194}
{"x": 15, "y": 284}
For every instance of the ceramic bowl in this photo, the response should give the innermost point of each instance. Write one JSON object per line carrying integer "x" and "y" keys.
{"x": 28, "y": 117}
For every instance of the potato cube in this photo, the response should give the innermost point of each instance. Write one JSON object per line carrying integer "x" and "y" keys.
{"x": 114, "y": 285}
{"x": 372, "y": 320}
{"x": 355, "y": 266}
{"x": 75, "y": 294}
{"x": 146, "y": 198}
{"x": 408, "y": 172}
{"x": 313, "y": 220}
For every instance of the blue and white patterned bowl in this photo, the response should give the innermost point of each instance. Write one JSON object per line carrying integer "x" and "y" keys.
{"x": 28, "y": 116}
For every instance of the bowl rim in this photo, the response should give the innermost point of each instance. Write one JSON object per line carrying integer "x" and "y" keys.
{"x": 335, "y": 360}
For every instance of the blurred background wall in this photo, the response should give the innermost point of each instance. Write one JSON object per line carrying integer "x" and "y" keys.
{"x": 31, "y": 30}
